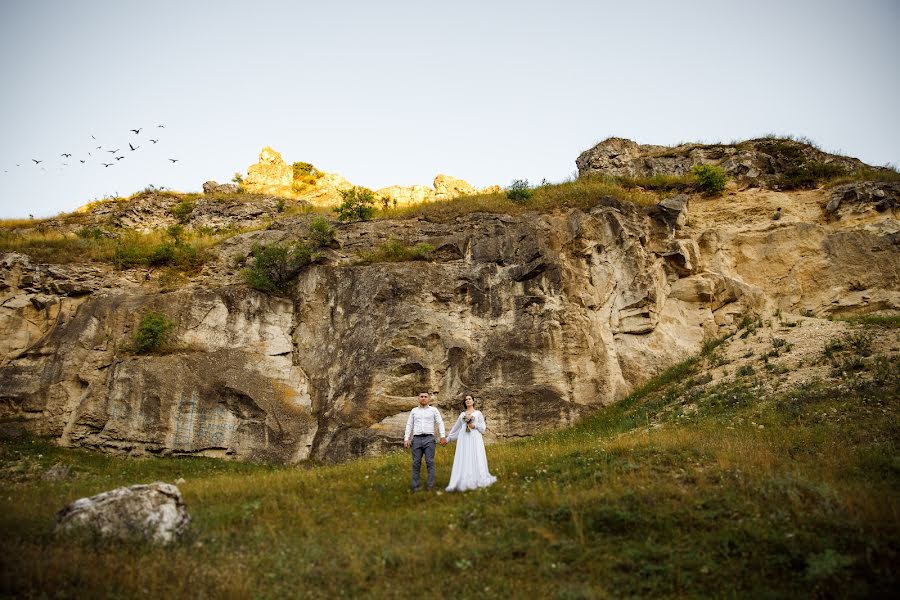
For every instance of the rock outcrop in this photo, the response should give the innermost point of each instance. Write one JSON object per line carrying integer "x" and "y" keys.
{"x": 213, "y": 187}
{"x": 444, "y": 188}
{"x": 270, "y": 171}
{"x": 757, "y": 163}
{"x": 152, "y": 513}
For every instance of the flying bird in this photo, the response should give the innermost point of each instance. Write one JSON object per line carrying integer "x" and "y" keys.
{"x": 113, "y": 151}
{"x": 154, "y": 141}
{"x": 81, "y": 161}
{"x": 36, "y": 161}
{"x": 98, "y": 147}
{"x": 118, "y": 157}
{"x": 92, "y": 137}
{"x": 174, "y": 160}
{"x": 161, "y": 126}
{"x": 107, "y": 164}
{"x": 136, "y": 131}
{"x": 66, "y": 155}
{"x": 133, "y": 148}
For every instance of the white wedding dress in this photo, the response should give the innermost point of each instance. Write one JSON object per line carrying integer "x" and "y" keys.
{"x": 470, "y": 468}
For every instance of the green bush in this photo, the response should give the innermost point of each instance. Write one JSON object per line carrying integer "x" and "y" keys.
{"x": 238, "y": 178}
{"x": 133, "y": 253}
{"x": 176, "y": 232}
{"x": 162, "y": 255}
{"x": 518, "y": 191}
{"x": 152, "y": 333}
{"x": 321, "y": 233}
{"x": 710, "y": 178}
{"x": 90, "y": 233}
{"x": 275, "y": 266}
{"x": 130, "y": 254}
{"x": 183, "y": 210}
{"x": 358, "y": 204}
{"x": 302, "y": 169}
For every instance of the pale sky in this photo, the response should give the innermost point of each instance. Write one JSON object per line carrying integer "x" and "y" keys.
{"x": 396, "y": 92}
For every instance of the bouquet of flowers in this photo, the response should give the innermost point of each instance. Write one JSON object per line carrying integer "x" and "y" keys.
{"x": 468, "y": 419}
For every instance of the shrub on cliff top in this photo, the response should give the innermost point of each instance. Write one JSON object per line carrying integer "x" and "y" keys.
{"x": 275, "y": 266}
{"x": 321, "y": 233}
{"x": 183, "y": 210}
{"x": 518, "y": 191}
{"x": 152, "y": 333}
{"x": 710, "y": 178}
{"x": 302, "y": 169}
{"x": 358, "y": 204}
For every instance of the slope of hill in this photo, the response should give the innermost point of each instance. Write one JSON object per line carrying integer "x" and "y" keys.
{"x": 765, "y": 466}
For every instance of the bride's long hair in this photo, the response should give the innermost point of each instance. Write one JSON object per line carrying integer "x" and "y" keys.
{"x": 474, "y": 400}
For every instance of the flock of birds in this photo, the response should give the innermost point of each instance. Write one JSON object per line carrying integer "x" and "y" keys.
{"x": 114, "y": 157}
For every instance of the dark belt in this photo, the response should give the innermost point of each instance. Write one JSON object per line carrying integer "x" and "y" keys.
{"x": 423, "y": 434}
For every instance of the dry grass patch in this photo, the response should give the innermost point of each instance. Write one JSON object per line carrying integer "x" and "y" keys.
{"x": 583, "y": 193}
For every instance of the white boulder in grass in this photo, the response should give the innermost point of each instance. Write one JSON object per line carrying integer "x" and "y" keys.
{"x": 153, "y": 512}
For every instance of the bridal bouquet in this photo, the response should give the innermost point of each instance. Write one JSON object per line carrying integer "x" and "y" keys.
{"x": 467, "y": 419}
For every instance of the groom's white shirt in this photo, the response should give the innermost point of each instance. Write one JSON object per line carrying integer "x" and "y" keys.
{"x": 421, "y": 420}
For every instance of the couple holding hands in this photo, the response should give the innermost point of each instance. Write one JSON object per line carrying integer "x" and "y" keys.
{"x": 470, "y": 468}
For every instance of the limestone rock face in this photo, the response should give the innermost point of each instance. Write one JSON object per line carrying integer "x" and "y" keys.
{"x": 861, "y": 196}
{"x": 271, "y": 170}
{"x": 544, "y": 317}
{"x": 755, "y": 163}
{"x": 153, "y": 513}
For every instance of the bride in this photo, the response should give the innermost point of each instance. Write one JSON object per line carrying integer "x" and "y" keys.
{"x": 470, "y": 468}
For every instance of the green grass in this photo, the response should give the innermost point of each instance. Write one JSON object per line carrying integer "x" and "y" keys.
{"x": 749, "y": 494}
{"x": 396, "y": 251}
{"x": 130, "y": 249}
{"x": 890, "y": 322}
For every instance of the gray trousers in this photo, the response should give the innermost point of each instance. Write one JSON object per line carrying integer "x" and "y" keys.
{"x": 422, "y": 445}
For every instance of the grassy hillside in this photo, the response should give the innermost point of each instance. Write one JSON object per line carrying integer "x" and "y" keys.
{"x": 722, "y": 477}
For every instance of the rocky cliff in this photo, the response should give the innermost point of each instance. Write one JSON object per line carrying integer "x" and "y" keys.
{"x": 543, "y": 316}
{"x": 753, "y": 163}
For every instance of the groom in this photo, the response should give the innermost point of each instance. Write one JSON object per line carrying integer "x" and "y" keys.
{"x": 421, "y": 425}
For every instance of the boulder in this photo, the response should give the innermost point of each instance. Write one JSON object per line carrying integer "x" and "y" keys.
{"x": 212, "y": 187}
{"x": 672, "y": 211}
{"x": 154, "y": 513}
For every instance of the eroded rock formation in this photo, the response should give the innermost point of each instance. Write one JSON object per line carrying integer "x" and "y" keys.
{"x": 756, "y": 162}
{"x": 543, "y": 316}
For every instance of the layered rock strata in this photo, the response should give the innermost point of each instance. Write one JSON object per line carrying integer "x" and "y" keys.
{"x": 544, "y": 317}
